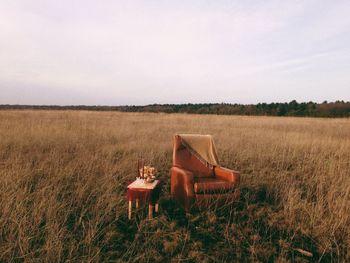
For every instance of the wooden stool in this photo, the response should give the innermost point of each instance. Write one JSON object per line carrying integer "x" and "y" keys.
{"x": 147, "y": 193}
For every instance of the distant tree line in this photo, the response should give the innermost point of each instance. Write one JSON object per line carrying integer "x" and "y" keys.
{"x": 293, "y": 108}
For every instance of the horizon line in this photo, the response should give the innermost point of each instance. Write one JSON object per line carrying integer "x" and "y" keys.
{"x": 162, "y": 104}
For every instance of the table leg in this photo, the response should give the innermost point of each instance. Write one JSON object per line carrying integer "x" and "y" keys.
{"x": 129, "y": 210}
{"x": 156, "y": 209}
{"x": 150, "y": 211}
{"x": 137, "y": 203}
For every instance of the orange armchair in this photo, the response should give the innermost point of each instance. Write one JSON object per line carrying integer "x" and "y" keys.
{"x": 196, "y": 176}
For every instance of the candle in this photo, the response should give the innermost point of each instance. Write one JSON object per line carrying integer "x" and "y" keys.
{"x": 138, "y": 168}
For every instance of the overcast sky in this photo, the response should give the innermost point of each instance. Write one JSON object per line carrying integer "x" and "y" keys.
{"x": 141, "y": 52}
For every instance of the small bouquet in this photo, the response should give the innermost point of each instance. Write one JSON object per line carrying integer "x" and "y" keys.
{"x": 145, "y": 172}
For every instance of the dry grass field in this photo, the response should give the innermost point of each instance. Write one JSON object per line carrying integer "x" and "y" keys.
{"x": 63, "y": 176}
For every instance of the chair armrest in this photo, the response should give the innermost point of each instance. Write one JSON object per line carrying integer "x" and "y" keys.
{"x": 182, "y": 182}
{"x": 227, "y": 175}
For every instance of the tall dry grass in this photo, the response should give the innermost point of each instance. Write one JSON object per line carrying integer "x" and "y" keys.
{"x": 63, "y": 176}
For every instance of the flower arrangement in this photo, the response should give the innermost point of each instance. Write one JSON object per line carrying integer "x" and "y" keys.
{"x": 145, "y": 172}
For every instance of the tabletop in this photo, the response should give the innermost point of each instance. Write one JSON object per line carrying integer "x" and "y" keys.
{"x": 140, "y": 184}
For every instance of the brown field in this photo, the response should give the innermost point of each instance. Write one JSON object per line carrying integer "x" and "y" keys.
{"x": 63, "y": 176}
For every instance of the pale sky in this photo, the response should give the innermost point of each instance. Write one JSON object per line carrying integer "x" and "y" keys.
{"x": 117, "y": 52}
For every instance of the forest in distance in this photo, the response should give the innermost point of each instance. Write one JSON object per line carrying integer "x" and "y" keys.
{"x": 293, "y": 108}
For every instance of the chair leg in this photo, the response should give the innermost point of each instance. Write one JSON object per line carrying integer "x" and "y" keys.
{"x": 156, "y": 208}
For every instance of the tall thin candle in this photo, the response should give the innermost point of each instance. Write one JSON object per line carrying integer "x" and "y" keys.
{"x": 138, "y": 168}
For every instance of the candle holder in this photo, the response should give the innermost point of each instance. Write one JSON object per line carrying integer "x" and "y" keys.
{"x": 140, "y": 169}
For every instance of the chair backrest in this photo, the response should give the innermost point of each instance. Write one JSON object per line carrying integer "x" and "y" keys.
{"x": 184, "y": 157}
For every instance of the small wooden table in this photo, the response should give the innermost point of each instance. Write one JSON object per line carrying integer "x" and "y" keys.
{"x": 147, "y": 193}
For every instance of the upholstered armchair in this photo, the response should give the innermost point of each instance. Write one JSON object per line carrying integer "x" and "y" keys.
{"x": 196, "y": 175}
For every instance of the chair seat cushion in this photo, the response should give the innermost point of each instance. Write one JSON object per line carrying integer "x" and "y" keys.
{"x": 212, "y": 186}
